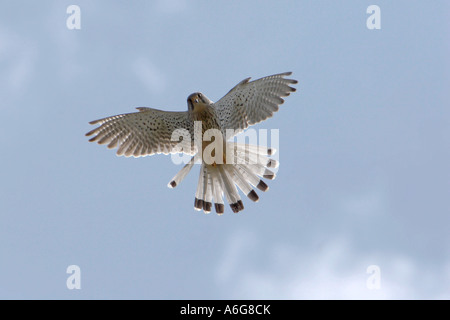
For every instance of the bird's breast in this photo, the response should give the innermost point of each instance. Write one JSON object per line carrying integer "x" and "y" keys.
{"x": 213, "y": 143}
{"x": 208, "y": 119}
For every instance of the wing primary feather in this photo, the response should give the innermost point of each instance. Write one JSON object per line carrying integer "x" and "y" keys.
{"x": 142, "y": 133}
{"x": 250, "y": 102}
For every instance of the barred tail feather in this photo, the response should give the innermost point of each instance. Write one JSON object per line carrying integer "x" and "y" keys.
{"x": 254, "y": 149}
{"x": 243, "y": 184}
{"x": 176, "y": 180}
{"x": 199, "y": 199}
{"x": 231, "y": 192}
{"x": 225, "y": 180}
{"x": 207, "y": 191}
{"x": 217, "y": 184}
{"x": 251, "y": 158}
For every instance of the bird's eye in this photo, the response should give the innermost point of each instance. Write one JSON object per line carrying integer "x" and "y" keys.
{"x": 200, "y": 95}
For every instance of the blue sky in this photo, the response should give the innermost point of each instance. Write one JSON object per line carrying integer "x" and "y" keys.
{"x": 364, "y": 151}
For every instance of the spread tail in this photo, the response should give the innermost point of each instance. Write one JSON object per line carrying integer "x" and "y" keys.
{"x": 250, "y": 164}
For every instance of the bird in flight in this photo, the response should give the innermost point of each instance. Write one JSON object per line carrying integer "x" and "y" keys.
{"x": 225, "y": 166}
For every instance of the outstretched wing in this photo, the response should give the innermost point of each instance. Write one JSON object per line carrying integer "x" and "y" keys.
{"x": 251, "y": 102}
{"x": 146, "y": 132}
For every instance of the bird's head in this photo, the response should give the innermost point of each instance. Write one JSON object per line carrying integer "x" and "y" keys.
{"x": 198, "y": 102}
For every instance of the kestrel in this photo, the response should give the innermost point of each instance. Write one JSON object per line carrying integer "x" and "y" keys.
{"x": 150, "y": 131}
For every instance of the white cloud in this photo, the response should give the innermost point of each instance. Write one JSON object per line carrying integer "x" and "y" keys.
{"x": 335, "y": 271}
